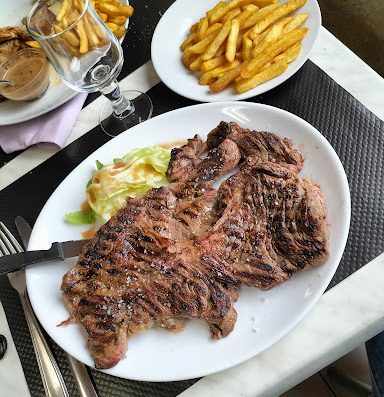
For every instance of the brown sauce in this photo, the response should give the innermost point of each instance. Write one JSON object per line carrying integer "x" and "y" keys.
{"x": 21, "y": 74}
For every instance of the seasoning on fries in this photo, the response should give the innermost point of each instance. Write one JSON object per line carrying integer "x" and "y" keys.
{"x": 244, "y": 42}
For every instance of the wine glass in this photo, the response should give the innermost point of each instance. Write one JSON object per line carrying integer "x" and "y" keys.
{"x": 88, "y": 57}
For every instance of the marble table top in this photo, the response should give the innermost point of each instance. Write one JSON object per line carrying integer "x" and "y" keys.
{"x": 348, "y": 309}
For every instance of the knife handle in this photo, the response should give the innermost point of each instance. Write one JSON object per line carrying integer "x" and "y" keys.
{"x": 10, "y": 263}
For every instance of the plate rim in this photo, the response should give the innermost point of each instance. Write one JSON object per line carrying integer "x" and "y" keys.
{"x": 261, "y": 89}
{"x": 317, "y": 294}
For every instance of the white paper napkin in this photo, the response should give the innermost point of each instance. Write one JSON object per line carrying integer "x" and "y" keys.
{"x": 12, "y": 379}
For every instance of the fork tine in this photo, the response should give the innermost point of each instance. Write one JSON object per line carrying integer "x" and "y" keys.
{"x": 3, "y": 249}
{"x": 9, "y": 240}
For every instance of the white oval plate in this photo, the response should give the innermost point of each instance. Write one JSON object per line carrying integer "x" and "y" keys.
{"x": 263, "y": 317}
{"x": 57, "y": 94}
{"x": 173, "y": 29}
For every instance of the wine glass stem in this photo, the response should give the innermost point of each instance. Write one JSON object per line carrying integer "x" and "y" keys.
{"x": 122, "y": 107}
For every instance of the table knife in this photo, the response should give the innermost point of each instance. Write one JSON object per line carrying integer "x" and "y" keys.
{"x": 83, "y": 381}
{"x": 66, "y": 249}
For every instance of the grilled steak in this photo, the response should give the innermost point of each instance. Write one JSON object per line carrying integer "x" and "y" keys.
{"x": 272, "y": 224}
{"x": 264, "y": 145}
{"x": 185, "y": 159}
{"x": 181, "y": 251}
{"x": 187, "y": 165}
{"x": 141, "y": 270}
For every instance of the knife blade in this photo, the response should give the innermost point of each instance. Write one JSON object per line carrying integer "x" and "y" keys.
{"x": 24, "y": 230}
{"x": 63, "y": 250}
{"x": 85, "y": 386}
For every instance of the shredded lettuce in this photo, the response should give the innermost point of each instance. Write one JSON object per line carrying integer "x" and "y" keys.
{"x": 132, "y": 175}
{"x": 81, "y": 217}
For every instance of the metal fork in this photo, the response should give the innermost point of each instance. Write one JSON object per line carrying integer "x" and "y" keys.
{"x": 53, "y": 381}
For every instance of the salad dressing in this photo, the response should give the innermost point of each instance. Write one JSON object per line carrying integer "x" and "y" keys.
{"x": 89, "y": 233}
{"x": 85, "y": 207}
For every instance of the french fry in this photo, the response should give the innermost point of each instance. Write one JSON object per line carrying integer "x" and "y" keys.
{"x": 213, "y": 28}
{"x": 264, "y": 3}
{"x": 118, "y": 20}
{"x": 217, "y": 14}
{"x": 231, "y": 14}
{"x": 250, "y": 7}
{"x": 273, "y": 50}
{"x": 200, "y": 47}
{"x": 217, "y": 41}
{"x": 193, "y": 28}
{"x": 62, "y": 11}
{"x": 247, "y": 47}
{"x": 33, "y": 44}
{"x": 220, "y": 51}
{"x": 245, "y": 15}
{"x": 297, "y": 21}
{"x": 217, "y": 6}
{"x": 196, "y": 64}
{"x": 272, "y": 35}
{"x": 239, "y": 3}
{"x": 260, "y": 15}
{"x": 225, "y": 80}
{"x": 109, "y": 9}
{"x": 78, "y": 5}
{"x": 91, "y": 34}
{"x": 280, "y": 12}
{"x": 84, "y": 44}
{"x": 201, "y": 29}
{"x": 187, "y": 41}
{"x": 266, "y": 75}
{"x": 290, "y": 55}
{"x": 188, "y": 58}
{"x": 120, "y": 32}
{"x": 69, "y": 36}
{"x": 230, "y": 51}
{"x": 207, "y": 77}
{"x": 213, "y": 63}
{"x": 125, "y": 11}
{"x": 112, "y": 26}
{"x": 72, "y": 17}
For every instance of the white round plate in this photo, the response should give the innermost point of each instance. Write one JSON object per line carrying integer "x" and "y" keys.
{"x": 173, "y": 29}
{"x": 263, "y": 317}
{"x": 57, "y": 94}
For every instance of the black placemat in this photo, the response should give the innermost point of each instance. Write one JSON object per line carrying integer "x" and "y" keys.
{"x": 354, "y": 132}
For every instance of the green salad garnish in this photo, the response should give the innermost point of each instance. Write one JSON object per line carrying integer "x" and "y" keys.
{"x": 133, "y": 175}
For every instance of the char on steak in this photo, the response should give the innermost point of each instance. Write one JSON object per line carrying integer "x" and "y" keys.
{"x": 181, "y": 251}
{"x": 141, "y": 270}
{"x": 261, "y": 144}
{"x": 187, "y": 165}
{"x": 272, "y": 224}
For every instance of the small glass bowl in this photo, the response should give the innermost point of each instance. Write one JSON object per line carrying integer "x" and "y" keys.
{"x": 28, "y": 69}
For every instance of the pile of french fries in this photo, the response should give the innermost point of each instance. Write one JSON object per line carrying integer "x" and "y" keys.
{"x": 245, "y": 42}
{"x": 88, "y": 34}
{"x": 114, "y": 15}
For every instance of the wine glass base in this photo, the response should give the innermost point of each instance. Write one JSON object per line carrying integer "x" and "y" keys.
{"x": 142, "y": 109}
